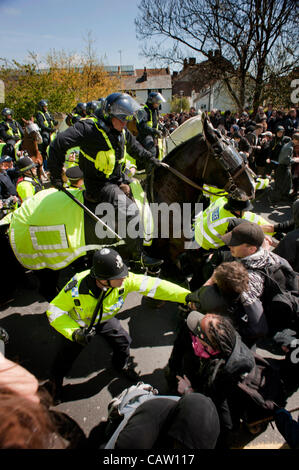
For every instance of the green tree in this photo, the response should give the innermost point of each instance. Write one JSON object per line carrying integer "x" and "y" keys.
{"x": 179, "y": 104}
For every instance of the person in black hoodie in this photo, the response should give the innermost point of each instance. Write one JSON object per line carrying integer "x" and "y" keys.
{"x": 209, "y": 357}
{"x": 215, "y": 362}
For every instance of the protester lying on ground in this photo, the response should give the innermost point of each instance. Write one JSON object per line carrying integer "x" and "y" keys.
{"x": 140, "y": 418}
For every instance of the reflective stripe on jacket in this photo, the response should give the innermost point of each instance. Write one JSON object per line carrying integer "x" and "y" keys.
{"x": 71, "y": 310}
{"x": 47, "y": 231}
{"x": 214, "y": 221}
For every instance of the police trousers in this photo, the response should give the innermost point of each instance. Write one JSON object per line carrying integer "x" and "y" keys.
{"x": 120, "y": 213}
{"x": 116, "y": 336}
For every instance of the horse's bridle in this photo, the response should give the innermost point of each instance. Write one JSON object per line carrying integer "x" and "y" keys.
{"x": 230, "y": 187}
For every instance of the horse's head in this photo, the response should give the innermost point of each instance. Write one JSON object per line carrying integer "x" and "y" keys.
{"x": 229, "y": 171}
{"x": 32, "y": 130}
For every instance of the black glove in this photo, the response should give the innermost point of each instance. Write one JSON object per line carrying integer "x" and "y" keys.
{"x": 285, "y": 337}
{"x": 82, "y": 336}
{"x": 57, "y": 183}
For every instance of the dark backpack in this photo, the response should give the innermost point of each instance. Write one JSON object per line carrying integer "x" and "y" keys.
{"x": 280, "y": 298}
{"x": 260, "y": 391}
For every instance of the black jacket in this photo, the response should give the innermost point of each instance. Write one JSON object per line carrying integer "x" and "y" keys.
{"x": 7, "y": 188}
{"x": 84, "y": 134}
{"x": 6, "y": 126}
{"x": 41, "y": 117}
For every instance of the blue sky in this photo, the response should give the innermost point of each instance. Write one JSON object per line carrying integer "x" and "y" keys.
{"x": 42, "y": 25}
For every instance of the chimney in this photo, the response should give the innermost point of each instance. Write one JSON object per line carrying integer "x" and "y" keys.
{"x": 210, "y": 54}
{"x": 217, "y": 53}
{"x": 185, "y": 63}
{"x": 145, "y": 74}
{"x": 174, "y": 74}
{"x": 167, "y": 70}
{"x": 192, "y": 61}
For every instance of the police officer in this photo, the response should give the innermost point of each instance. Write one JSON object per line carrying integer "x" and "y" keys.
{"x": 46, "y": 123}
{"x": 11, "y": 132}
{"x": 75, "y": 177}
{"x": 148, "y": 123}
{"x": 8, "y": 192}
{"x": 91, "y": 108}
{"x": 87, "y": 305}
{"x": 219, "y": 218}
{"x": 28, "y": 183}
{"x": 80, "y": 112}
{"x": 103, "y": 147}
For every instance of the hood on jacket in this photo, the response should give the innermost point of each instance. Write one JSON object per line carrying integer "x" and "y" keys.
{"x": 241, "y": 359}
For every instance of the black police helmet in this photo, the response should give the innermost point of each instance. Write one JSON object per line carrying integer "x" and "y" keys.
{"x": 24, "y": 164}
{"x": 81, "y": 108}
{"x": 42, "y": 103}
{"x": 74, "y": 173}
{"x": 92, "y": 106}
{"x": 120, "y": 105}
{"x": 234, "y": 204}
{"x": 6, "y": 112}
{"x": 107, "y": 264}
{"x": 155, "y": 98}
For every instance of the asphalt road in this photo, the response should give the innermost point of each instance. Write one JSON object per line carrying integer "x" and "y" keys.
{"x": 92, "y": 381}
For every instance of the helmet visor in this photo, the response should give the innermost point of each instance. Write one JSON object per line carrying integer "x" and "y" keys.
{"x": 124, "y": 108}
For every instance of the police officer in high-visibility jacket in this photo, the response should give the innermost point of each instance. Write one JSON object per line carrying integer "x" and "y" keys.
{"x": 46, "y": 123}
{"x": 11, "y": 133}
{"x": 104, "y": 145}
{"x": 149, "y": 132}
{"x": 28, "y": 183}
{"x": 87, "y": 305}
{"x": 219, "y": 217}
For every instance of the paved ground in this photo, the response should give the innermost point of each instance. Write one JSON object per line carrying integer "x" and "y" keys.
{"x": 92, "y": 382}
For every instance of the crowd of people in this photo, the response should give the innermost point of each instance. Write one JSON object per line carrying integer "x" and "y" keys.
{"x": 246, "y": 290}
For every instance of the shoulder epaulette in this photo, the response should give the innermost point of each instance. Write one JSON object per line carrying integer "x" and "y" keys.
{"x": 71, "y": 285}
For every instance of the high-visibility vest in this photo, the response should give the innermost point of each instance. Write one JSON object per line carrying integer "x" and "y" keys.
{"x": 216, "y": 192}
{"x": 104, "y": 160}
{"x": 10, "y": 131}
{"x": 47, "y": 231}
{"x": 27, "y": 187}
{"x": 2, "y": 144}
{"x": 47, "y": 122}
{"x": 261, "y": 183}
{"x": 214, "y": 221}
{"x": 71, "y": 309}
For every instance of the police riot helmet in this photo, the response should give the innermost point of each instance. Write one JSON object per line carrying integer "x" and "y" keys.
{"x": 6, "y": 112}
{"x": 92, "y": 106}
{"x": 155, "y": 98}
{"x": 81, "y": 109}
{"x": 25, "y": 163}
{"x": 42, "y": 103}
{"x": 107, "y": 264}
{"x": 120, "y": 105}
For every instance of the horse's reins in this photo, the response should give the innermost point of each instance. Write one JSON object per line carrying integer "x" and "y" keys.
{"x": 188, "y": 181}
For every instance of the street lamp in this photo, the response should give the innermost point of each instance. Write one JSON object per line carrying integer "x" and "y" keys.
{"x": 181, "y": 95}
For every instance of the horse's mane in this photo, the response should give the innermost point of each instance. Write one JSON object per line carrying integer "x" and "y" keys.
{"x": 172, "y": 154}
